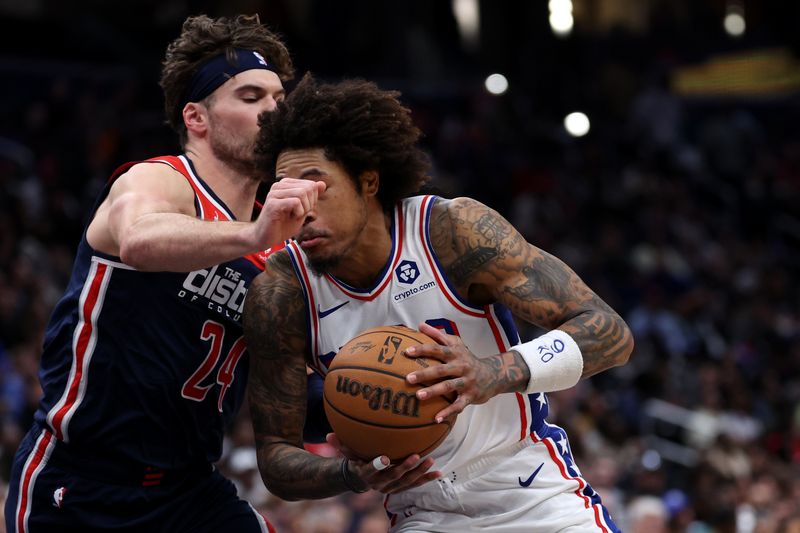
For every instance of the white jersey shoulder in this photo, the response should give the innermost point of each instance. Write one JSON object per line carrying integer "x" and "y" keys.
{"x": 412, "y": 289}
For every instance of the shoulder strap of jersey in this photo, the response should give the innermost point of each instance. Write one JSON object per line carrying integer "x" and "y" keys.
{"x": 304, "y": 277}
{"x": 207, "y": 205}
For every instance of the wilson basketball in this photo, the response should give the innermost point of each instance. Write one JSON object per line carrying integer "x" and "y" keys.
{"x": 371, "y": 407}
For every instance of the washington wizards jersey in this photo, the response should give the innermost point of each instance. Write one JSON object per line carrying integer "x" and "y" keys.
{"x": 413, "y": 288}
{"x": 147, "y": 367}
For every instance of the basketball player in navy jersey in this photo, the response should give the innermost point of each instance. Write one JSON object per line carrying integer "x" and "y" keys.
{"x": 371, "y": 254}
{"x": 144, "y": 360}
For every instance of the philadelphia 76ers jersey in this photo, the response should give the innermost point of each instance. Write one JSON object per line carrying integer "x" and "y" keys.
{"x": 412, "y": 289}
{"x": 147, "y": 367}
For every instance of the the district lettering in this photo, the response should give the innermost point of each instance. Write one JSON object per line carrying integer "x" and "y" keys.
{"x": 229, "y": 289}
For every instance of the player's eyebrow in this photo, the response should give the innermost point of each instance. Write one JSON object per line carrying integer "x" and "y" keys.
{"x": 258, "y": 89}
{"x": 311, "y": 172}
{"x": 305, "y": 174}
{"x": 249, "y": 87}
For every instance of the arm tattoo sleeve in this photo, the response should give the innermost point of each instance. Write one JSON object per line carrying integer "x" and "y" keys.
{"x": 275, "y": 330}
{"x": 548, "y": 293}
{"x": 483, "y": 254}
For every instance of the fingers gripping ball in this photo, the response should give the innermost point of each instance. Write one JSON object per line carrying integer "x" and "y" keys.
{"x": 371, "y": 407}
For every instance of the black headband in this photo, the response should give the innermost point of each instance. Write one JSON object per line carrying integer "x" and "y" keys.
{"x": 218, "y": 70}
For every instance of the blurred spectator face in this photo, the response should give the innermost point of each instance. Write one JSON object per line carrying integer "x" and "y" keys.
{"x": 791, "y": 526}
{"x": 330, "y": 516}
{"x": 375, "y": 522}
{"x": 647, "y": 514}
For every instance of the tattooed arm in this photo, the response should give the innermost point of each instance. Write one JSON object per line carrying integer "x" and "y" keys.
{"x": 489, "y": 261}
{"x": 275, "y": 330}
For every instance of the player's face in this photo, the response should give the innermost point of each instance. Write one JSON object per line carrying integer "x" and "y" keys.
{"x": 331, "y": 231}
{"x": 233, "y": 115}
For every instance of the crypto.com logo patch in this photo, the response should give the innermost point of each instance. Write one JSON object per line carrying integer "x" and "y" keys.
{"x": 407, "y": 272}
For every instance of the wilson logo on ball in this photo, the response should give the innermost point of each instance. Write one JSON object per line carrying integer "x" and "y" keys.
{"x": 380, "y": 398}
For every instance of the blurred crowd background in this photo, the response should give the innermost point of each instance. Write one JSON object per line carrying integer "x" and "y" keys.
{"x": 680, "y": 206}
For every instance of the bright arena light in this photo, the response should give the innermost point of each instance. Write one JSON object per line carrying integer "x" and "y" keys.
{"x": 561, "y": 23}
{"x": 556, "y": 6}
{"x": 734, "y": 24}
{"x": 561, "y": 20}
{"x": 496, "y": 84}
{"x": 577, "y": 124}
{"x": 468, "y": 18}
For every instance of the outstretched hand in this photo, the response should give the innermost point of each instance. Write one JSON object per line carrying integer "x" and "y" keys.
{"x": 285, "y": 208}
{"x": 473, "y": 379}
{"x": 388, "y": 478}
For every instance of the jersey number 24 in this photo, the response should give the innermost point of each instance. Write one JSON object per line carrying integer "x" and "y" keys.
{"x": 215, "y": 332}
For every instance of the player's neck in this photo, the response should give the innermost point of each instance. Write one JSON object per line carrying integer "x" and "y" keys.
{"x": 235, "y": 189}
{"x": 368, "y": 257}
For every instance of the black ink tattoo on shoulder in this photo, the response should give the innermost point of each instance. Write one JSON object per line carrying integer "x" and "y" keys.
{"x": 473, "y": 239}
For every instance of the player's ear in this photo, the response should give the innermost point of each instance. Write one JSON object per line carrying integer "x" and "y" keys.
{"x": 195, "y": 118}
{"x": 370, "y": 181}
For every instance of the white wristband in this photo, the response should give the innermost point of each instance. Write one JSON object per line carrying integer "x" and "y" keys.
{"x": 554, "y": 359}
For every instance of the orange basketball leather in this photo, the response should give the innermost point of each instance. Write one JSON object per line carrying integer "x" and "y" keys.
{"x": 371, "y": 407}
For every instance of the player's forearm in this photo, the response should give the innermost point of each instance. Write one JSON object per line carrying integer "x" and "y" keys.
{"x": 603, "y": 337}
{"x": 179, "y": 243}
{"x": 588, "y": 343}
{"x": 292, "y": 473}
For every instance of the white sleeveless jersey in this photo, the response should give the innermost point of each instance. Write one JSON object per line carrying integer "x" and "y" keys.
{"x": 412, "y": 289}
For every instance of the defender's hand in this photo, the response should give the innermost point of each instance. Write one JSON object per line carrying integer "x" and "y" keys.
{"x": 288, "y": 203}
{"x": 387, "y": 478}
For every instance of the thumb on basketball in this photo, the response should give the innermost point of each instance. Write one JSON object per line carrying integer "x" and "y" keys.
{"x": 337, "y": 445}
{"x": 379, "y": 463}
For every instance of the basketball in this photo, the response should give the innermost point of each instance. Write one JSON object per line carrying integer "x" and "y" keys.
{"x": 371, "y": 407}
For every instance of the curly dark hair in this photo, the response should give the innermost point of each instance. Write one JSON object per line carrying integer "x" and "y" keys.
{"x": 358, "y": 125}
{"x": 203, "y": 38}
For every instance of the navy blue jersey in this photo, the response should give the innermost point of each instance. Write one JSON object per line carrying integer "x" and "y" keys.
{"x": 148, "y": 367}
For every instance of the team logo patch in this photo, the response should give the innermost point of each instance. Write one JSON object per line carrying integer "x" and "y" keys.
{"x": 260, "y": 58}
{"x": 407, "y": 272}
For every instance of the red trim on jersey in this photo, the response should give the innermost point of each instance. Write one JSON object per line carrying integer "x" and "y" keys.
{"x": 429, "y": 255}
{"x": 312, "y": 305}
{"x": 398, "y": 252}
{"x": 498, "y": 338}
{"x": 522, "y": 415}
{"x": 84, "y": 336}
{"x": 558, "y": 460}
{"x": 209, "y": 209}
{"x": 122, "y": 169}
{"x": 27, "y": 478}
{"x": 256, "y": 260}
{"x": 259, "y": 259}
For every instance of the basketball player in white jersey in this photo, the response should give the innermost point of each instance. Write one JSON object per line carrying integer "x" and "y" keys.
{"x": 370, "y": 254}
